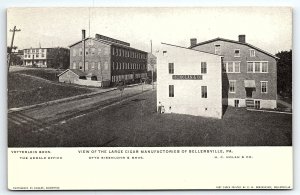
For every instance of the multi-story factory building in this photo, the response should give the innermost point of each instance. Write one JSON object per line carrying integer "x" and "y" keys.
{"x": 106, "y": 61}
{"x": 249, "y": 74}
{"x": 189, "y": 82}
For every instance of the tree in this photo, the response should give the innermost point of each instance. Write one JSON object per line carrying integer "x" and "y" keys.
{"x": 15, "y": 59}
{"x": 284, "y": 73}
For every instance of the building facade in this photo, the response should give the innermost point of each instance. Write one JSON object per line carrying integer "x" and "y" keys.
{"x": 249, "y": 74}
{"x": 106, "y": 59}
{"x": 189, "y": 82}
{"x": 46, "y": 57}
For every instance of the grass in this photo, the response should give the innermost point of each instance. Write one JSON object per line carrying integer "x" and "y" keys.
{"x": 135, "y": 123}
{"x": 24, "y": 90}
{"x": 45, "y": 73}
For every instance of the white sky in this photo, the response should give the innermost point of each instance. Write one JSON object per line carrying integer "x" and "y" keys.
{"x": 267, "y": 28}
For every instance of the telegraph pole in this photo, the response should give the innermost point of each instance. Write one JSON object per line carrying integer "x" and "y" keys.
{"x": 152, "y": 65}
{"x": 12, "y": 43}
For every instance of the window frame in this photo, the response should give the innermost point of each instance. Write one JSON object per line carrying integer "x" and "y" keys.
{"x": 171, "y": 90}
{"x": 239, "y": 53}
{"x": 203, "y": 67}
{"x": 267, "y": 63}
{"x": 171, "y": 67}
{"x": 261, "y": 86}
{"x": 218, "y": 52}
{"x": 234, "y": 63}
{"x": 204, "y": 92}
{"x": 252, "y": 64}
{"x": 252, "y": 54}
{"x": 260, "y": 66}
{"x": 234, "y": 86}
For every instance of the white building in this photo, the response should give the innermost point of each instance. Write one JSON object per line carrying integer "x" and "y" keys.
{"x": 189, "y": 81}
{"x": 35, "y": 56}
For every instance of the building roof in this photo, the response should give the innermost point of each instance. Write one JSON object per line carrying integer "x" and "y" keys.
{"x": 76, "y": 71}
{"x": 233, "y": 41}
{"x": 106, "y": 42}
{"x": 191, "y": 49}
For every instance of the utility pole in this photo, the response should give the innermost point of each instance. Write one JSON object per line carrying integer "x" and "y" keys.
{"x": 12, "y": 44}
{"x": 152, "y": 65}
{"x": 83, "y": 43}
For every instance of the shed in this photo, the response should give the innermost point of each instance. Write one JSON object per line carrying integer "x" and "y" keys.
{"x": 71, "y": 76}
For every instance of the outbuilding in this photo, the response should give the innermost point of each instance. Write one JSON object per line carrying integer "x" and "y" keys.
{"x": 71, "y": 76}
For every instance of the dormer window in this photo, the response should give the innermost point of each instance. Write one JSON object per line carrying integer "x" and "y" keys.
{"x": 236, "y": 53}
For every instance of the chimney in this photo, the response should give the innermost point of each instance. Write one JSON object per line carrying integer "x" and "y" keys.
{"x": 193, "y": 42}
{"x": 83, "y": 34}
{"x": 242, "y": 38}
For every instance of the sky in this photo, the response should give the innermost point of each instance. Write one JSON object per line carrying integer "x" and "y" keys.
{"x": 269, "y": 28}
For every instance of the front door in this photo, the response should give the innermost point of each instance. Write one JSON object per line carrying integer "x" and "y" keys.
{"x": 249, "y": 92}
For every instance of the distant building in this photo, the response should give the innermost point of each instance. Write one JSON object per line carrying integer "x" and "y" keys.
{"x": 104, "y": 59}
{"x": 189, "y": 81}
{"x": 57, "y": 57}
{"x": 249, "y": 73}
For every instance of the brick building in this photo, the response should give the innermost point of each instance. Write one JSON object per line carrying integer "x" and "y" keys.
{"x": 249, "y": 74}
{"x": 56, "y": 57}
{"x": 104, "y": 59}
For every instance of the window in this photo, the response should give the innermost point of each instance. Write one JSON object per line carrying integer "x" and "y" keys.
{"x": 171, "y": 90}
{"x": 237, "y": 66}
{"x": 232, "y": 86}
{"x": 37, "y": 55}
{"x": 93, "y": 65}
{"x": 252, "y": 53}
{"x": 80, "y": 65}
{"x": 74, "y": 65}
{"x": 171, "y": 68}
{"x": 203, "y": 68}
{"x": 217, "y": 49}
{"x": 80, "y": 51}
{"x": 74, "y": 52}
{"x": 264, "y": 86}
{"x": 257, "y": 66}
{"x": 99, "y": 51}
{"x": 204, "y": 91}
{"x": 257, "y": 104}
{"x": 264, "y": 67}
{"x": 43, "y": 55}
{"x": 249, "y": 66}
{"x": 87, "y": 65}
{"x": 236, "y": 53}
{"x": 230, "y": 67}
{"x": 236, "y": 103}
{"x": 87, "y": 52}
